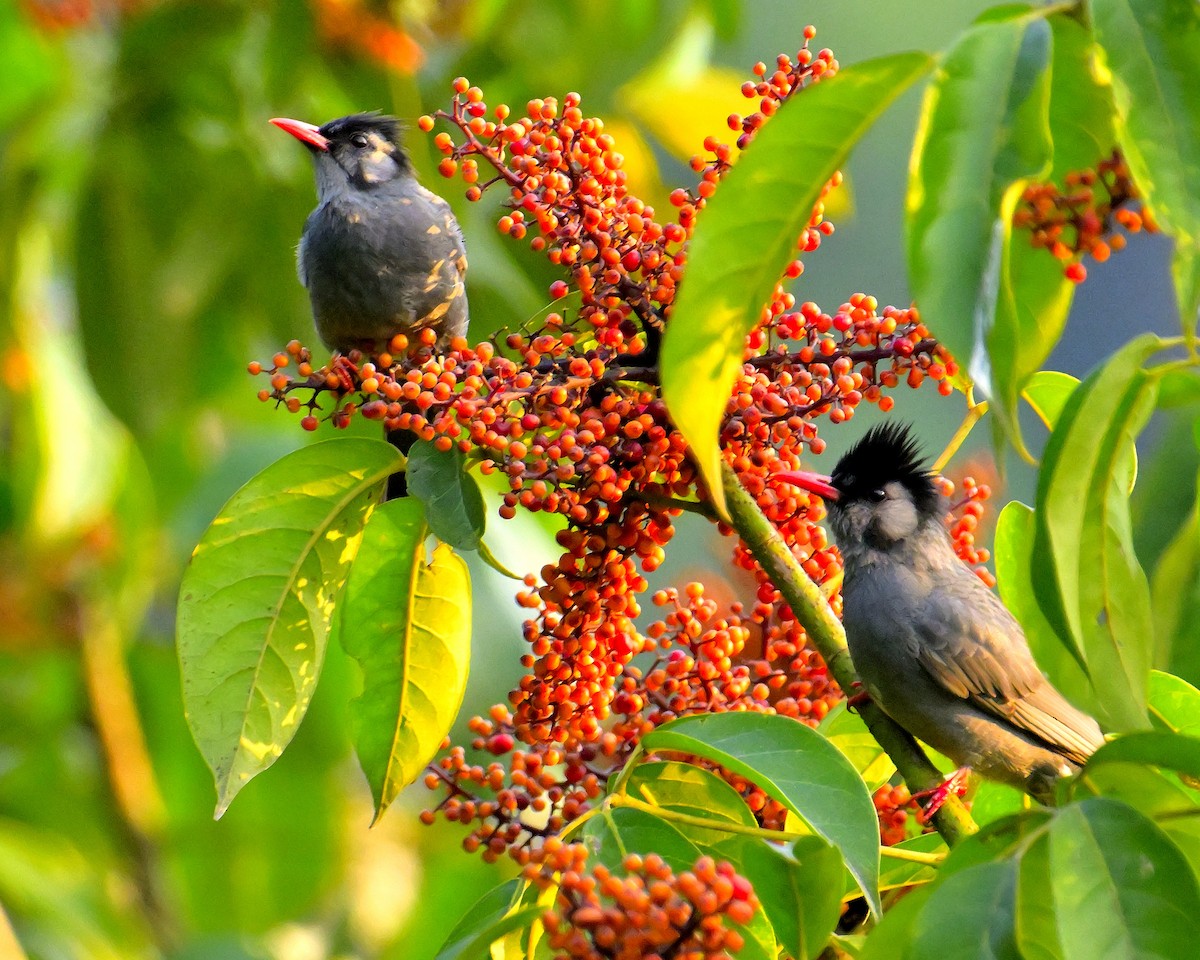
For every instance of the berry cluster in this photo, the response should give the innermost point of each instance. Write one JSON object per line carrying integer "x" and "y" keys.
{"x": 964, "y": 527}
{"x": 649, "y": 911}
{"x": 891, "y": 805}
{"x": 1083, "y": 217}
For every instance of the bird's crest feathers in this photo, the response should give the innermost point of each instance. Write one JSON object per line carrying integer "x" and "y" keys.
{"x": 887, "y": 453}
{"x": 382, "y": 124}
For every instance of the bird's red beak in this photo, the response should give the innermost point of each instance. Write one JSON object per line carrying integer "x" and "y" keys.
{"x": 812, "y": 482}
{"x": 304, "y": 132}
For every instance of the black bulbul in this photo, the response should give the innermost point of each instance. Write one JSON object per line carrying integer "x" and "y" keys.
{"x": 380, "y": 255}
{"x": 934, "y": 647}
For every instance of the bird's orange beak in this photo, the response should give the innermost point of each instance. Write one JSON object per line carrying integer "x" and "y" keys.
{"x": 812, "y": 482}
{"x": 304, "y": 132}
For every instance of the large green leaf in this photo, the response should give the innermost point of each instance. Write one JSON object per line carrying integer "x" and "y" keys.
{"x": 1152, "y": 48}
{"x": 617, "y": 832}
{"x": 1086, "y": 576}
{"x": 1119, "y": 886}
{"x": 257, "y": 599}
{"x": 1170, "y": 751}
{"x": 748, "y": 231}
{"x": 1175, "y": 601}
{"x": 796, "y": 766}
{"x": 799, "y": 890}
{"x": 983, "y": 130}
{"x": 695, "y": 792}
{"x": 453, "y": 503}
{"x": 496, "y": 914}
{"x": 407, "y": 621}
{"x": 969, "y": 914}
{"x": 1016, "y": 530}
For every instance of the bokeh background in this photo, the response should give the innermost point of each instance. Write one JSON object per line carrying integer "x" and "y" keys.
{"x": 148, "y": 218}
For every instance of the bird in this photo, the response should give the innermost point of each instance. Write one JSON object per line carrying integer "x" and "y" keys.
{"x": 935, "y": 649}
{"x": 380, "y": 255}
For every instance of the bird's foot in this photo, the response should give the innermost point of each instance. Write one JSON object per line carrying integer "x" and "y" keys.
{"x": 955, "y": 784}
{"x": 346, "y": 372}
{"x": 858, "y": 698}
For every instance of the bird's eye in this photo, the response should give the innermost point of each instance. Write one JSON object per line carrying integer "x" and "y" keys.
{"x": 359, "y": 140}
{"x": 875, "y": 496}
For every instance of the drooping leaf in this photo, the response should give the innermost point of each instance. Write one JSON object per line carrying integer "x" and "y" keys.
{"x": 796, "y": 766}
{"x": 1175, "y": 601}
{"x": 495, "y": 915}
{"x": 799, "y": 890}
{"x": 1086, "y": 576}
{"x": 453, "y": 503}
{"x": 1119, "y": 886}
{"x": 407, "y": 622}
{"x": 984, "y": 129}
{"x": 749, "y": 229}
{"x": 257, "y": 599}
{"x": 1152, "y": 48}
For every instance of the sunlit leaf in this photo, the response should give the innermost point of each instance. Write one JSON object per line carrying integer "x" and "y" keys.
{"x": 984, "y": 129}
{"x": 1152, "y": 48}
{"x": 747, "y": 233}
{"x": 1085, "y": 574}
{"x": 693, "y": 791}
{"x": 257, "y": 599}
{"x": 1170, "y": 751}
{"x": 407, "y": 621}
{"x": 846, "y": 731}
{"x": 796, "y": 766}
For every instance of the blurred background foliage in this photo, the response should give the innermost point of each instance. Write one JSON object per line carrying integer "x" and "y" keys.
{"x": 148, "y": 217}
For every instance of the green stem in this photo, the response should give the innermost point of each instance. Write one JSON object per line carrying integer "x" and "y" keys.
{"x": 825, "y": 633}
{"x": 726, "y": 826}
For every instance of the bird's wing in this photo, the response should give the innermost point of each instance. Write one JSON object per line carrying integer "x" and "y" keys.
{"x": 426, "y": 243}
{"x": 976, "y": 650}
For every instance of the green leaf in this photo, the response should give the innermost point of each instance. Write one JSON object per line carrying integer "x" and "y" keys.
{"x": 258, "y": 596}
{"x": 1016, "y": 530}
{"x": 407, "y": 623}
{"x": 983, "y": 129}
{"x": 1152, "y": 48}
{"x": 1037, "y": 931}
{"x": 1174, "y": 704}
{"x": 889, "y": 939}
{"x": 846, "y": 731}
{"x": 1086, "y": 576}
{"x": 1175, "y": 600}
{"x": 969, "y": 914}
{"x": 1082, "y": 112}
{"x": 1120, "y": 888}
{"x": 747, "y": 233}
{"x": 1170, "y": 751}
{"x": 800, "y": 891}
{"x": 691, "y": 790}
{"x": 796, "y": 766}
{"x": 619, "y": 831}
{"x": 496, "y": 914}
{"x": 1047, "y": 392}
{"x": 453, "y": 503}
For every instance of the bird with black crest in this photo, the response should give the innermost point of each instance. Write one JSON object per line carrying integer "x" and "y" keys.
{"x": 935, "y": 649}
{"x": 380, "y": 255}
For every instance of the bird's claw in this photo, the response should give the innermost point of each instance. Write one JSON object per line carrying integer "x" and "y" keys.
{"x": 955, "y": 784}
{"x": 346, "y": 372}
{"x": 857, "y": 699}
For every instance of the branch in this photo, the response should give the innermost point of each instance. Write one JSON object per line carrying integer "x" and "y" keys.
{"x": 825, "y": 632}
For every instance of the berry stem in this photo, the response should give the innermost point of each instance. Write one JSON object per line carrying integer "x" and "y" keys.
{"x": 825, "y": 632}
{"x": 975, "y": 412}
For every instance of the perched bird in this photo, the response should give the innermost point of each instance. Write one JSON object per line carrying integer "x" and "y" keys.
{"x": 935, "y": 649}
{"x": 380, "y": 255}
